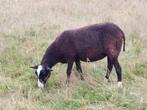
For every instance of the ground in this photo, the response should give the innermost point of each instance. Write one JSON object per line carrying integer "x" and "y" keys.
{"x": 27, "y": 27}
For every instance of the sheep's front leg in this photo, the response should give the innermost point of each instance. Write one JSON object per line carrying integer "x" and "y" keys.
{"x": 79, "y": 69}
{"x": 69, "y": 68}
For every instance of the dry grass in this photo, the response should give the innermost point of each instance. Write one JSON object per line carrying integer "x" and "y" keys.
{"x": 27, "y": 27}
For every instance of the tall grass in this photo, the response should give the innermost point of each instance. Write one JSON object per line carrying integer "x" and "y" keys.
{"x": 27, "y": 27}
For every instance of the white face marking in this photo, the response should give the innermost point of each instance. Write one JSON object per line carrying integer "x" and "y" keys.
{"x": 39, "y": 69}
{"x": 40, "y": 85}
{"x": 119, "y": 84}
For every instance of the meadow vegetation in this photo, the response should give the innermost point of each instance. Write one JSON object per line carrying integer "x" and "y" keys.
{"x": 27, "y": 27}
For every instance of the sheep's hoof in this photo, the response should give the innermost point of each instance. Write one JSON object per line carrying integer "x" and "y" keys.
{"x": 119, "y": 84}
{"x": 67, "y": 82}
{"x": 82, "y": 78}
{"x": 107, "y": 79}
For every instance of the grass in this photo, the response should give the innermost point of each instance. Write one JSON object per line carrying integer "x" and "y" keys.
{"x": 27, "y": 27}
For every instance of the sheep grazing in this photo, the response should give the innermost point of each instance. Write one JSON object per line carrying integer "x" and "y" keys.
{"x": 89, "y": 43}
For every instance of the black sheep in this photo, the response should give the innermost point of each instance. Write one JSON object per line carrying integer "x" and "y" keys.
{"x": 90, "y": 43}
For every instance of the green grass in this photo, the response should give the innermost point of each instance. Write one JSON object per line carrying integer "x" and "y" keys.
{"x": 28, "y": 27}
{"x": 141, "y": 69}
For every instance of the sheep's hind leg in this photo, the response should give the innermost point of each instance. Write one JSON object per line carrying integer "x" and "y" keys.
{"x": 109, "y": 68}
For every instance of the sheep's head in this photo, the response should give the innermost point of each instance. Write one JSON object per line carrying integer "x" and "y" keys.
{"x": 43, "y": 73}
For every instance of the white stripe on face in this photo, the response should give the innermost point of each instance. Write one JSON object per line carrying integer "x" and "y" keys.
{"x": 39, "y": 69}
{"x": 40, "y": 85}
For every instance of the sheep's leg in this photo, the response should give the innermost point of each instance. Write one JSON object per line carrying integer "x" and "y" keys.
{"x": 79, "y": 69}
{"x": 69, "y": 68}
{"x": 118, "y": 72}
{"x": 109, "y": 68}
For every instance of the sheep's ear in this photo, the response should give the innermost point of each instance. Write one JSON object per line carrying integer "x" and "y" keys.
{"x": 34, "y": 67}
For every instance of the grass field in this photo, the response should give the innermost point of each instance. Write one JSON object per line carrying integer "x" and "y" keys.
{"x": 27, "y": 27}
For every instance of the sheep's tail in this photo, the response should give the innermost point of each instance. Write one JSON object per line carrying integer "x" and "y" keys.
{"x": 123, "y": 36}
{"x": 124, "y": 42}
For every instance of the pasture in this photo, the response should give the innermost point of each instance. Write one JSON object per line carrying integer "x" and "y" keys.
{"x": 27, "y": 27}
